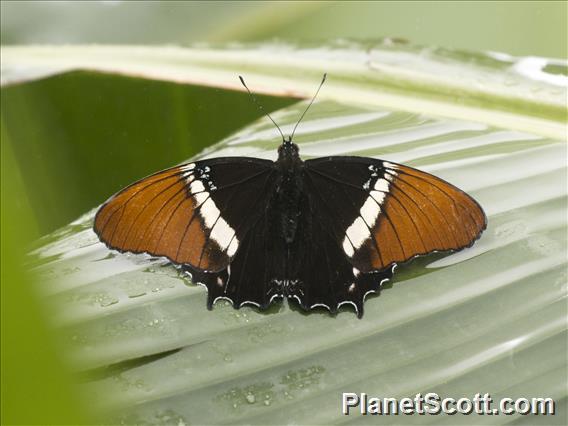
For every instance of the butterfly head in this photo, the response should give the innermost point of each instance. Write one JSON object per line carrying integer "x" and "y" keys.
{"x": 288, "y": 151}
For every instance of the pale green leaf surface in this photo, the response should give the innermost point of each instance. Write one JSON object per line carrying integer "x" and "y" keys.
{"x": 525, "y": 93}
{"x": 491, "y": 318}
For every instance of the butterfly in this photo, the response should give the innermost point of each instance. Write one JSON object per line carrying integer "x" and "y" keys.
{"x": 325, "y": 231}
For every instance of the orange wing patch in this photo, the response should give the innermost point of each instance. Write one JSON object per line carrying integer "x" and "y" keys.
{"x": 421, "y": 214}
{"x": 159, "y": 215}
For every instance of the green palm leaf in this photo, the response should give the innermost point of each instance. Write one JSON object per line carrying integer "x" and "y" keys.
{"x": 491, "y": 318}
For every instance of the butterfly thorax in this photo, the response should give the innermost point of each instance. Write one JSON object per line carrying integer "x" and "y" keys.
{"x": 288, "y": 190}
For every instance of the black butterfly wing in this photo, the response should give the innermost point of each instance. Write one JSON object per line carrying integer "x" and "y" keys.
{"x": 365, "y": 216}
{"x": 320, "y": 272}
{"x": 195, "y": 214}
{"x": 255, "y": 275}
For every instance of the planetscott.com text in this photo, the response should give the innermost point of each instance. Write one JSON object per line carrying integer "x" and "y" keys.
{"x": 432, "y": 404}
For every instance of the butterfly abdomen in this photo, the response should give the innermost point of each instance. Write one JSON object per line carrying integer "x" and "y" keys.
{"x": 287, "y": 203}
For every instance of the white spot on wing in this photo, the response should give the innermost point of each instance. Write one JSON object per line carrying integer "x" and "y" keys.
{"x": 209, "y": 212}
{"x": 389, "y": 177}
{"x": 379, "y": 197}
{"x": 382, "y": 185}
{"x": 389, "y": 165}
{"x": 196, "y": 187}
{"x": 380, "y": 190}
{"x": 201, "y": 197}
{"x": 222, "y": 233}
{"x": 358, "y": 232}
{"x": 370, "y": 211}
{"x": 188, "y": 167}
{"x": 228, "y": 278}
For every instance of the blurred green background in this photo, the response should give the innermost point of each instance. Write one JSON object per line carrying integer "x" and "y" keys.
{"x": 56, "y": 134}
{"x": 515, "y": 27}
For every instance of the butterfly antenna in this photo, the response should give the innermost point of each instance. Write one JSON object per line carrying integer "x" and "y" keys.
{"x": 311, "y": 102}
{"x": 261, "y": 107}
